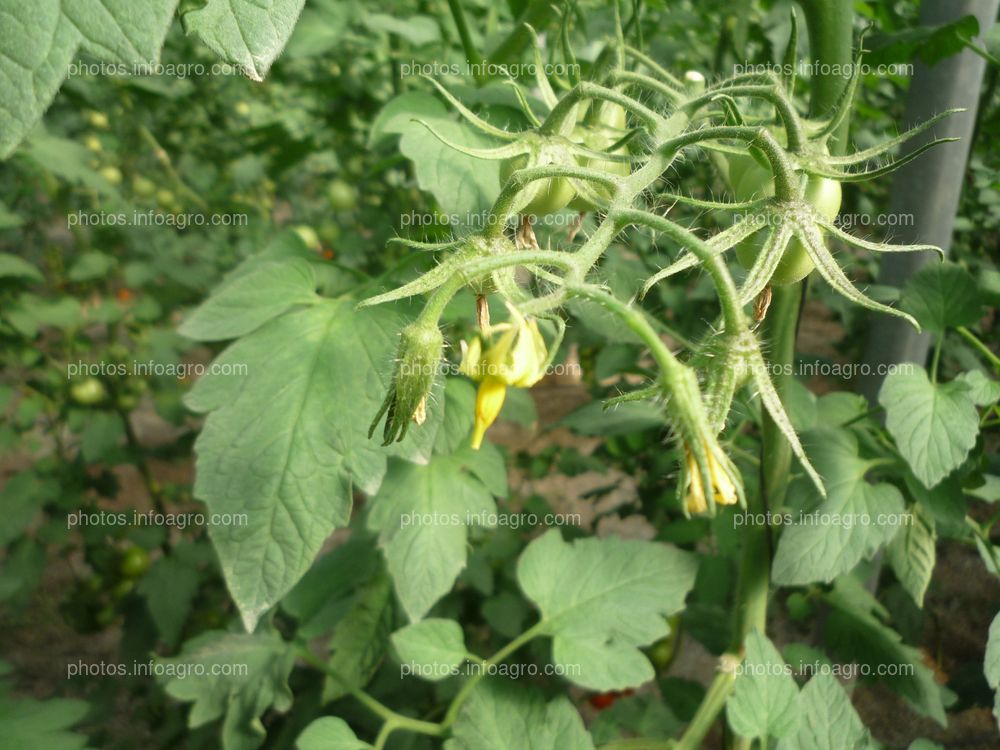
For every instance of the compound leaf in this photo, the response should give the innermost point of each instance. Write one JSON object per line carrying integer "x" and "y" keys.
{"x": 935, "y": 425}
{"x": 601, "y": 600}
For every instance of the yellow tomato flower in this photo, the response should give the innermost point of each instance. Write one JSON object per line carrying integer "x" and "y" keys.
{"x": 723, "y": 487}
{"x": 489, "y": 401}
{"x": 517, "y": 358}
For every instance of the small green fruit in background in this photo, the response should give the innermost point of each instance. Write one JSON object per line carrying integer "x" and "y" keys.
{"x": 88, "y": 391}
{"x": 342, "y": 197}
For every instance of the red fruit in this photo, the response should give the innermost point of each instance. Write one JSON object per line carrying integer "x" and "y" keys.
{"x": 601, "y": 701}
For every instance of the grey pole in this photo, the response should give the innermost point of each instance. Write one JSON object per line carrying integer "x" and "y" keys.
{"x": 929, "y": 187}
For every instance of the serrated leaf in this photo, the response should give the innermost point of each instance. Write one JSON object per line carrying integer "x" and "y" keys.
{"x": 360, "y": 639}
{"x": 912, "y": 553}
{"x": 234, "y": 676}
{"x": 28, "y": 724}
{"x": 38, "y": 40}
{"x": 934, "y": 424}
{"x": 854, "y": 520}
{"x": 422, "y": 514}
{"x": 504, "y": 716}
{"x": 432, "y": 649}
{"x": 286, "y": 442}
{"x": 983, "y": 391}
{"x": 463, "y": 186}
{"x": 250, "y": 300}
{"x": 857, "y": 635}
{"x": 942, "y": 295}
{"x": 601, "y": 600}
{"x": 991, "y": 663}
{"x": 246, "y": 33}
{"x": 329, "y": 733}
{"x": 828, "y": 720}
{"x": 764, "y": 701}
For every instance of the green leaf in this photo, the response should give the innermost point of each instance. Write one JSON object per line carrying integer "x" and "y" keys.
{"x": 286, "y": 442}
{"x": 422, "y": 514}
{"x": 415, "y": 29}
{"x": 854, "y": 520}
{"x": 13, "y": 266}
{"x": 232, "y": 675}
{"x": 169, "y": 588}
{"x": 764, "y": 701}
{"x": 101, "y": 435}
{"x": 22, "y": 497}
{"x": 601, "y": 600}
{"x": 991, "y": 662}
{"x": 246, "y": 33}
{"x": 856, "y": 634}
{"x": 38, "y": 40}
{"x": 623, "y": 419}
{"x": 90, "y": 266}
{"x": 329, "y": 733}
{"x": 934, "y": 424}
{"x": 912, "y": 553}
{"x": 28, "y": 724}
{"x": 328, "y": 591}
{"x": 432, "y": 649}
{"x": 506, "y": 716}
{"x": 361, "y": 638}
{"x": 828, "y": 720}
{"x": 983, "y": 390}
{"x": 942, "y": 295}
{"x": 463, "y": 186}
{"x": 248, "y": 301}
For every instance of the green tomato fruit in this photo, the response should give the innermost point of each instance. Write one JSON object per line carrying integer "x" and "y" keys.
{"x": 308, "y": 236}
{"x": 342, "y": 196}
{"x": 165, "y": 198}
{"x": 98, "y": 120}
{"x": 609, "y": 115}
{"x": 550, "y": 195}
{"x": 127, "y": 401}
{"x": 329, "y": 233}
{"x": 142, "y": 187}
{"x": 795, "y": 264}
{"x": 88, "y": 392}
{"x": 134, "y": 562}
{"x": 799, "y": 607}
{"x": 122, "y": 589}
{"x": 599, "y": 138}
{"x": 105, "y": 616}
{"x": 112, "y": 175}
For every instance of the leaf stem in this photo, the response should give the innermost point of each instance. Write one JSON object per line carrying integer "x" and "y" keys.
{"x": 472, "y": 55}
{"x": 969, "y": 336}
{"x": 456, "y": 704}
{"x": 398, "y": 721}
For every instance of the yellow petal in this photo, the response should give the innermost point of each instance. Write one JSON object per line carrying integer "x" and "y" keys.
{"x": 695, "y": 500}
{"x": 489, "y": 401}
{"x": 722, "y": 484}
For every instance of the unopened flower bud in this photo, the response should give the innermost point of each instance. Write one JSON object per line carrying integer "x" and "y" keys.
{"x": 420, "y": 347}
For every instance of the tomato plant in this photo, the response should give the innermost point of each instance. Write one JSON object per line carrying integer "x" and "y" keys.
{"x": 381, "y": 377}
